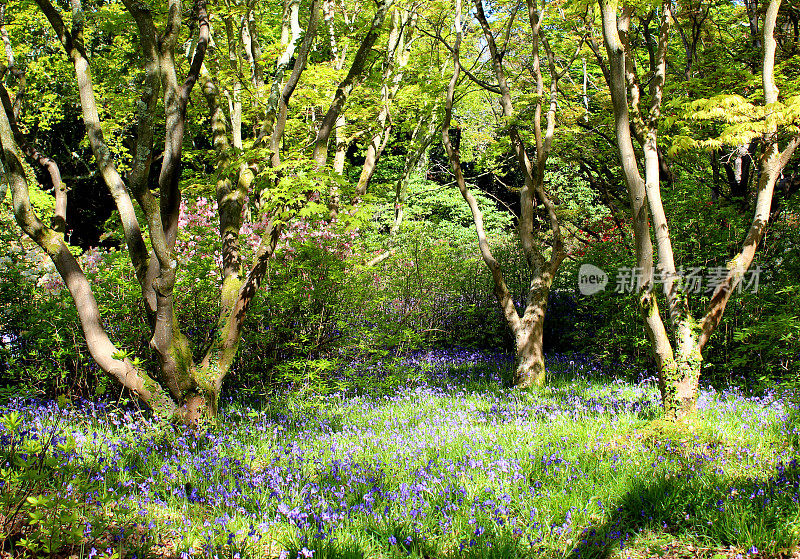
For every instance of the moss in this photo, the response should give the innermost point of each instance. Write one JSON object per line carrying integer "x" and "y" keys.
{"x": 181, "y": 353}
{"x": 161, "y": 404}
{"x": 206, "y": 377}
{"x": 230, "y": 290}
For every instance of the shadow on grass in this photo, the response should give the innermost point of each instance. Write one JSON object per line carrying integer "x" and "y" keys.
{"x": 742, "y": 513}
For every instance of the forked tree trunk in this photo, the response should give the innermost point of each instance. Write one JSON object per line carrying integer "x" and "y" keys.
{"x": 102, "y": 350}
{"x": 528, "y": 328}
{"x": 679, "y": 372}
{"x": 528, "y": 331}
{"x": 190, "y": 391}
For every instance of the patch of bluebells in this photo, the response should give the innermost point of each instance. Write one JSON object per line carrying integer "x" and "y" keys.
{"x": 468, "y": 466}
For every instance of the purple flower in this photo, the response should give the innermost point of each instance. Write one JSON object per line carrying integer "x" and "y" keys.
{"x": 307, "y": 553}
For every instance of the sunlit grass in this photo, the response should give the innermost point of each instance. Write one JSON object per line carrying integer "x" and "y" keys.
{"x": 453, "y": 466}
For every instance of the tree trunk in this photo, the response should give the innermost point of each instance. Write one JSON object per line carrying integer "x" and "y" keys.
{"x": 680, "y": 378}
{"x": 341, "y": 145}
{"x": 320, "y": 155}
{"x": 420, "y": 141}
{"x": 530, "y": 370}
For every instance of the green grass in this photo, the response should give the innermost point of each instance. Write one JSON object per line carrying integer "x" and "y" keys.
{"x": 458, "y": 467}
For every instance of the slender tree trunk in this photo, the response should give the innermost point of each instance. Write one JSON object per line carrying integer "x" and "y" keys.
{"x": 341, "y": 145}
{"x": 327, "y": 126}
{"x": 237, "y": 293}
{"x": 156, "y": 272}
{"x": 420, "y": 141}
{"x": 527, "y": 330}
{"x": 530, "y": 371}
{"x": 72, "y": 41}
{"x": 276, "y": 134}
{"x": 397, "y": 56}
{"x": 58, "y": 222}
{"x": 617, "y": 76}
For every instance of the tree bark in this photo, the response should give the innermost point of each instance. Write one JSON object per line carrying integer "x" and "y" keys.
{"x": 772, "y": 162}
{"x": 530, "y": 369}
{"x": 237, "y": 293}
{"x": 276, "y": 134}
{"x": 102, "y": 350}
{"x": 528, "y": 329}
{"x": 157, "y": 272}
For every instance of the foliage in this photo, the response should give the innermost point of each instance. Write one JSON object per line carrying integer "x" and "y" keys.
{"x": 44, "y": 499}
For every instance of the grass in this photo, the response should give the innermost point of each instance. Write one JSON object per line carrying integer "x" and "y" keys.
{"x": 451, "y": 466}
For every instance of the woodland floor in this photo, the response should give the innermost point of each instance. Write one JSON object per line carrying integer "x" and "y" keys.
{"x": 445, "y": 464}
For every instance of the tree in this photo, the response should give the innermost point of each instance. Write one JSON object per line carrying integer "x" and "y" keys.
{"x": 185, "y": 390}
{"x": 543, "y": 262}
{"x": 679, "y": 359}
